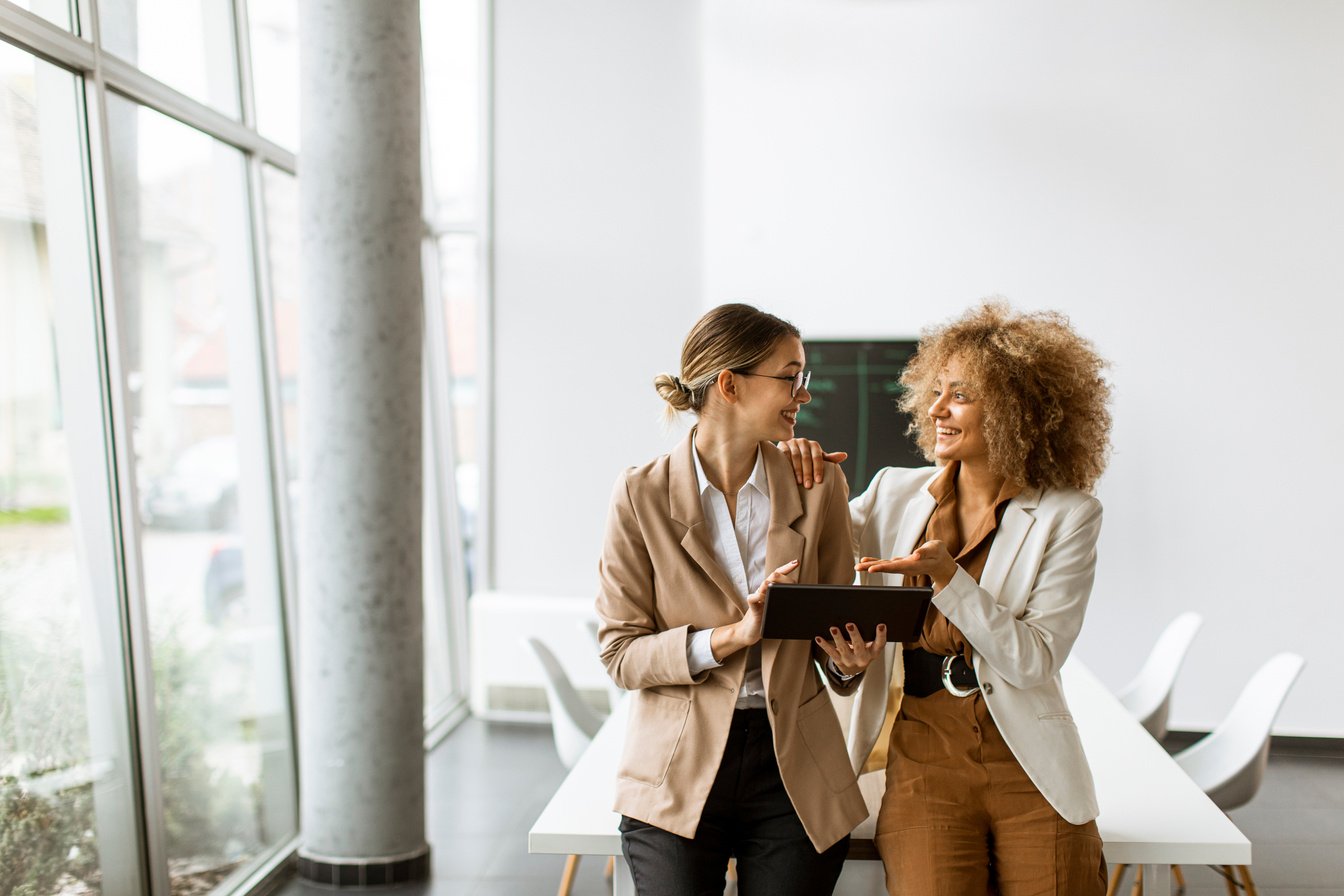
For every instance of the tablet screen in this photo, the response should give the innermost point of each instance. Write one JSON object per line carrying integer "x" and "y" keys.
{"x": 803, "y": 612}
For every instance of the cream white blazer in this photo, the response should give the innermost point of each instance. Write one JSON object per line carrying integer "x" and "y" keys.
{"x": 1021, "y": 619}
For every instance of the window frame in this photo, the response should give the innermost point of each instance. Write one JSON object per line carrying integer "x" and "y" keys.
{"x": 115, "y": 555}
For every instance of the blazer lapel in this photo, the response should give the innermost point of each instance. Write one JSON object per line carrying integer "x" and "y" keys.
{"x": 1017, "y": 519}
{"x": 685, "y": 506}
{"x": 783, "y": 543}
{"x": 914, "y": 520}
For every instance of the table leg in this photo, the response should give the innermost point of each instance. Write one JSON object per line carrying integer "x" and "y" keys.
{"x": 622, "y": 884}
{"x": 1157, "y": 879}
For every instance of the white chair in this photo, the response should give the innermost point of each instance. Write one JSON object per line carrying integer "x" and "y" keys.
{"x": 1148, "y": 696}
{"x": 574, "y": 724}
{"x": 1229, "y": 763}
{"x": 614, "y": 691}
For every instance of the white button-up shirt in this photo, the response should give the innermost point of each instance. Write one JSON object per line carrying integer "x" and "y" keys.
{"x": 739, "y": 547}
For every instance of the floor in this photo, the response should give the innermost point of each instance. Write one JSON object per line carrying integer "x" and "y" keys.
{"x": 488, "y": 782}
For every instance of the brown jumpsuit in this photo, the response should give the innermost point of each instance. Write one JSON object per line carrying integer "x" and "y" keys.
{"x": 959, "y": 816}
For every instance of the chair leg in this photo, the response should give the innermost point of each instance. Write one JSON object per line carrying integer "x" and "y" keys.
{"x": 1179, "y": 878}
{"x": 1138, "y": 881}
{"x": 1117, "y": 875}
{"x": 567, "y": 879}
{"x": 1247, "y": 882}
{"x": 1230, "y": 880}
{"x": 611, "y": 868}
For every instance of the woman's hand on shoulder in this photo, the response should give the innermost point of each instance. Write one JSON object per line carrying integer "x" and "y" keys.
{"x": 929, "y": 559}
{"x": 809, "y": 459}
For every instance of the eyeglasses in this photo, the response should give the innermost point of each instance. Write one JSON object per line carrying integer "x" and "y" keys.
{"x": 798, "y": 381}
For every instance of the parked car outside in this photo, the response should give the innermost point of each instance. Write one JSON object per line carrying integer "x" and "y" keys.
{"x": 223, "y": 586}
{"x": 199, "y": 490}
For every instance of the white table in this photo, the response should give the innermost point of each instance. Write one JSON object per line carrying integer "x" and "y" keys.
{"x": 1152, "y": 814}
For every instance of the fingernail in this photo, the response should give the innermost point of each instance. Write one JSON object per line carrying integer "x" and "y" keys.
{"x": 808, "y": 482}
{"x": 819, "y": 641}
{"x": 834, "y": 630}
{"x": 850, "y": 627}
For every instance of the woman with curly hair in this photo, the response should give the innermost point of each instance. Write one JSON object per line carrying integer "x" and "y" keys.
{"x": 987, "y": 788}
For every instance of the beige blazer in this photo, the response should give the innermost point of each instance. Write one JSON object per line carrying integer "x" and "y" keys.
{"x": 659, "y": 581}
{"x": 1021, "y": 621}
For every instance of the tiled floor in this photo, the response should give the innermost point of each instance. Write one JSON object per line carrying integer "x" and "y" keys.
{"x": 488, "y": 783}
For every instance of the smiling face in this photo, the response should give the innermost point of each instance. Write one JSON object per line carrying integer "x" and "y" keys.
{"x": 957, "y": 417}
{"x": 764, "y": 404}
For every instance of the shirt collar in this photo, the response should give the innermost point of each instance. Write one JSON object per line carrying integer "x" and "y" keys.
{"x": 944, "y": 485}
{"x": 756, "y": 480}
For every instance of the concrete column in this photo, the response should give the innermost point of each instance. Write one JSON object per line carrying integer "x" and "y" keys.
{"x": 361, "y": 754}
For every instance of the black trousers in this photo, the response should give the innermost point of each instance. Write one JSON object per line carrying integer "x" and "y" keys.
{"x": 748, "y": 815}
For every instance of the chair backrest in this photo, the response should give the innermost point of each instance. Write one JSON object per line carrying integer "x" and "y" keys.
{"x": 1229, "y": 763}
{"x": 614, "y": 691}
{"x": 573, "y": 722}
{"x": 1148, "y": 696}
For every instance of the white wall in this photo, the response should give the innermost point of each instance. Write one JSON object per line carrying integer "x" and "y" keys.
{"x": 1171, "y": 175}
{"x": 597, "y": 264}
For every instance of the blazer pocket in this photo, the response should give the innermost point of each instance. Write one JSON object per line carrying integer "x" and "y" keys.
{"x": 825, "y": 742}
{"x": 657, "y": 722}
{"x": 1056, "y": 717}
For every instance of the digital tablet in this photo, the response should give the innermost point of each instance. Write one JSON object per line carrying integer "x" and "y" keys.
{"x": 803, "y": 612}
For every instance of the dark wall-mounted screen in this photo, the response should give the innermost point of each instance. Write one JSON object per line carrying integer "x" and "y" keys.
{"x": 854, "y": 390}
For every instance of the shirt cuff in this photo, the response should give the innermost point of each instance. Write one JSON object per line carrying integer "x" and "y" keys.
{"x": 834, "y": 670}
{"x": 699, "y": 654}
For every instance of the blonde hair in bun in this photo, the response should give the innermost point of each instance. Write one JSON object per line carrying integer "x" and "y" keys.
{"x": 732, "y": 336}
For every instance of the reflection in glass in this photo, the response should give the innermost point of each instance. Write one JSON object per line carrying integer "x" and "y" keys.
{"x": 452, "y": 72}
{"x": 275, "y": 69}
{"x": 220, "y": 692}
{"x": 187, "y": 44}
{"x": 282, "y": 253}
{"x": 459, "y": 283}
{"x": 60, "y": 750}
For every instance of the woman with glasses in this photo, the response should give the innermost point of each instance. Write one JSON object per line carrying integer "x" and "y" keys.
{"x": 986, "y": 782}
{"x": 733, "y": 747}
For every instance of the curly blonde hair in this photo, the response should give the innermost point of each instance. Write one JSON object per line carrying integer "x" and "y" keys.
{"x": 1047, "y": 421}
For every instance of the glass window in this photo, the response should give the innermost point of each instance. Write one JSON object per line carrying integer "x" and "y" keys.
{"x": 459, "y": 266}
{"x": 66, "y": 814}
{"x": 437, "y": 602}
{"x": 275, "y": 69}
{"x": 190, "y": 357}
{"x": 187, "y": 44}
{"x": 56, "y": 11}
{"x": 282, "y": 241}
{"x": 451, "y": 32}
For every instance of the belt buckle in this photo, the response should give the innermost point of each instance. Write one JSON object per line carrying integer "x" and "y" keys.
{"x": 947, "y": 680}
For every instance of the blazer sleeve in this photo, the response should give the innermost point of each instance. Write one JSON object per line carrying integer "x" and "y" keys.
{"x": 1028, "y": 651}
{"x": 636, "y": 653}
